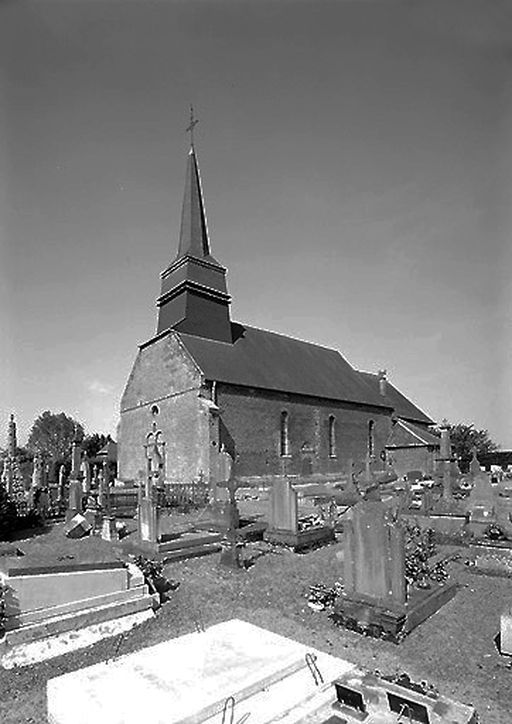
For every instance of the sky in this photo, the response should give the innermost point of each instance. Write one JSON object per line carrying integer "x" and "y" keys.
{"x": 356, "y": 160}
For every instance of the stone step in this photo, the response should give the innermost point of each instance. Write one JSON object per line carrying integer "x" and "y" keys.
{"x": 44, "y": 614}
{"x": 76, "y": 620}
{"x": 185, "y": 553}
{"x": 189, "y": 542}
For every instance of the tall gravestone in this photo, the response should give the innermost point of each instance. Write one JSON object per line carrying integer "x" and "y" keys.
{"x": 283, "y": 513}
{"x": 446, "y": 461}
{"x": 148, "y": 512}
{"x": 85, "y": 470}
{"x": 374, "y": 555}
{"x": 75, "y": 484}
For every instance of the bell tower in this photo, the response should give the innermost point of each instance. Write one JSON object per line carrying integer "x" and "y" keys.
{"x": 194, "y": 297}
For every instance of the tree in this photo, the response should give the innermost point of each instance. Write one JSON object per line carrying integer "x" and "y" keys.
{"x": 92, "y": 444}
{"x": 464, "y": 438}
{"x": 8, "y": 514}
{"x": 53, "y": 434}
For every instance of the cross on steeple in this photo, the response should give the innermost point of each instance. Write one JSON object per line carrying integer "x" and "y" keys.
{"x": 190, "y": 127}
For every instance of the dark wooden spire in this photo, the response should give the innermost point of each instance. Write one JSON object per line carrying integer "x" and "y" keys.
{"x": 194, "y": 297}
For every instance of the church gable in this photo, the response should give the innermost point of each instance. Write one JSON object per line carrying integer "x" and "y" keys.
{"x": 406, "y": 434}
{"x": 161, "y": 368}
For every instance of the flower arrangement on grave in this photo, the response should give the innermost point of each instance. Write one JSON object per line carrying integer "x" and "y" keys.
{"x": 154, "y": 577}
{"x": 494, "y": 532}
{"x": 419, "y": 548}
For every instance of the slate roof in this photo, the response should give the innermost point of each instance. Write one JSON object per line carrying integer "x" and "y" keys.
{"x": 271, "y": 361}
{"x": 403, "y": 407}
{"x": 406, "y": 434}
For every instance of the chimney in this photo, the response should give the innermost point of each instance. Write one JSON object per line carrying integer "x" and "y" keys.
{"x": 382, "y": 382}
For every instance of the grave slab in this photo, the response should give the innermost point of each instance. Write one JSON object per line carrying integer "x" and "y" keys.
{"x": 187, "y": 680}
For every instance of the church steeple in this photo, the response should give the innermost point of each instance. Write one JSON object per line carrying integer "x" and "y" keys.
{"x": 194, "y": 297}
{"x": 194, "y": 230}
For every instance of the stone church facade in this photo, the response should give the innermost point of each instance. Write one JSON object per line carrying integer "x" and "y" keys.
{"x": 278, "y": 405}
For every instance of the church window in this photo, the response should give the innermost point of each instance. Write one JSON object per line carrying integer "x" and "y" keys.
{"x": 371, "y": 437}
{"x": 332, "y": 436}
{"x": 155, "y": 410}
{"x": 284, "y": 443}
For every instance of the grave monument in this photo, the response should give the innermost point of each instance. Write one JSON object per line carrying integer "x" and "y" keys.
{"x": 376, "y": 597}
{"x": 283, "y": 520}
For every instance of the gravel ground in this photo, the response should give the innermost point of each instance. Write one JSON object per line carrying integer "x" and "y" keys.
{"x": 454, "y": 649}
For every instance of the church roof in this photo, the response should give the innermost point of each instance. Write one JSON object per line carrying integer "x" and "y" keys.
{"x": 402, "y": 406}
{"x": 407, "y": 434}
{"x": 272, "y": 361}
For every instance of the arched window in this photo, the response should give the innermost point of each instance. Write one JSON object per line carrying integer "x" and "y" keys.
{"x": 332, "y": 436}
{"x": 371, "y": 437}
{"x": 284, "y": 443}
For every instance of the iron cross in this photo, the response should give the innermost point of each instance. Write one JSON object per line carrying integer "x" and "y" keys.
{"x": 190, "y": 127}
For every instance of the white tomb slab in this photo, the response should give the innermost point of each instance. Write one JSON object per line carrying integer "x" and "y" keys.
{"x": 187, "y": 680}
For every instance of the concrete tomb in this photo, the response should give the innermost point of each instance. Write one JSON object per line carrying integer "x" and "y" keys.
{"x": 43, "y": 602}
{"x": 237, "y": 669}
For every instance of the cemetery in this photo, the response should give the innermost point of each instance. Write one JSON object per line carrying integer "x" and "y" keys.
{"x": 349, "y": 582}
{"x": 274, "y": 536}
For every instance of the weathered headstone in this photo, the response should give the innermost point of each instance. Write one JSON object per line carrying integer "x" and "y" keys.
{"x": 77, "y": 527}
{"x": 481, "y": 504}
{"x": 62, "y": 483}
{"x": 283, "y": 514}
{"x": 506, "y": 632}
{"x": 474, "y": 465}
{"x": 108, "y": 528}
{"x": 374, "y": 555}
{"x": 85, "y": 470}
{"x": 74, "y": 499}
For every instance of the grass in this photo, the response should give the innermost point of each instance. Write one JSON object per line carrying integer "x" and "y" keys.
{"x": 454, "y": 649}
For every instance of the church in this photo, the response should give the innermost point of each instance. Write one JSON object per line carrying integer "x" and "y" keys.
{"x": 280, "y": 406}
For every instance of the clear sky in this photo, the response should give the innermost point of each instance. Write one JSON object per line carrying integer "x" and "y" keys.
{"x": 356, "y": 160}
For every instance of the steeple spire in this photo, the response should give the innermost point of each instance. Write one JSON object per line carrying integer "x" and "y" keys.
{"x": 194, "y": 298}
{"x": 194, "y": 231}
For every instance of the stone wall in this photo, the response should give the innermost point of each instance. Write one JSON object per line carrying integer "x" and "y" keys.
{"x": 250, "y": 430}
{"x": 164, "y": 386}
{"x": 411, "y": 458}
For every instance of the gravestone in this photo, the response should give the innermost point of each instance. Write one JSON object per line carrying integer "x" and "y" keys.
{"x": 506, "y": 632}
{"x": 85, "y": 470}
{"x": 77, "y": 527}
{"x": 148, "y": 511}
{"x": 374, "y": 555}
{"x": 481, "y": 504}
{"x": 283, "y": 520}
{"x": 474, "y": 465}
{"x": 61, "y": 491}
{"x": 283, "y": 513}
{"x": 74, "y": 499}
{"x": 376, "y": 597}
{"x": 108, "y": 528}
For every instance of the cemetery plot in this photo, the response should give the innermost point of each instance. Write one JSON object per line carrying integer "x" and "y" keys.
{"x": 285, "y": 527}
{"x": 244, "y": 671}
{"x": 379, "y": 595}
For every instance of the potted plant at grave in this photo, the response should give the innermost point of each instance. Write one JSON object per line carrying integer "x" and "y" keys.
{"x": 155, "y": 580}
{"x": 494, "y": 532}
